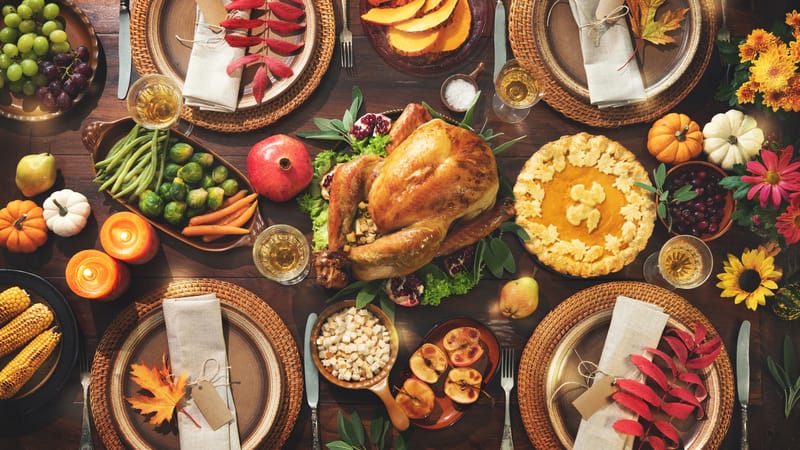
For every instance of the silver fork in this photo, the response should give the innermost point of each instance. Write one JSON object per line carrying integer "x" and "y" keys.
{"x": 724, "y": 35}
{"x": 507, "y": 383}
{"x": 86, "y": 369}
{"x": 346, "y": 38}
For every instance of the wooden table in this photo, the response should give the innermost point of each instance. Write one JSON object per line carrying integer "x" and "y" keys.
{"x": 58, "y": 425}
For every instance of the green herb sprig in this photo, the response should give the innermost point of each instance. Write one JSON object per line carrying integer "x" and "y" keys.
{"x": 787, "y": 376}
{"x": 665, "y": 197}
{"x": 352, "y": 436}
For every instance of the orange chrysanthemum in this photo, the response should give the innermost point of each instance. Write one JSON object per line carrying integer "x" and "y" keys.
{"x": 773, "y": 68}
{"x": 746, "y": 93}
{"x": 793, "y": 20}
{"x": 761, "y": 40}
{"x": 747, "y": 52}
{"x": 774, "y": 99}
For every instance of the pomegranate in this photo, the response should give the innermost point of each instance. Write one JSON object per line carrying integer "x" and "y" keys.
{"x": 370, "y": 124}
{"x": 460, "y": 261}
{"x": 279, "y": 167}
{"x": 405, "y": 291}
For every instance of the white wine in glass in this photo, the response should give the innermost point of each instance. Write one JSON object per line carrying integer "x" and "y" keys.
{"x": 516, "y": 91}
{"x": 154, "y": 101}
{"x": 684, "y": 262}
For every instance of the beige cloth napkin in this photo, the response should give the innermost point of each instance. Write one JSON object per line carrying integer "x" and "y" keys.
{"x": 634, "y": 326}
{"x": 194, "y": 335}
{"x": 606, "y": 46}
{"x": 207, "y": 85}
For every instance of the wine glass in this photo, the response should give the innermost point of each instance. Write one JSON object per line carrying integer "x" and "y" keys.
{"x": 684, "y": 262}
{"x": 154, "y": 101}
{"x": 516, "y": 91}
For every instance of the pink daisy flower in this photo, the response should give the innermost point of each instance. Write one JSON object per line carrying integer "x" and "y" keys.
{"x": 788, "y": 223}
{"x": 774, "y": 179}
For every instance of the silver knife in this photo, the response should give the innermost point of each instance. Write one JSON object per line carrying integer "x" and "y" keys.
{"x": 124, "y": 49}
{"x": 743, "y": 376}
{"x": 312, "y": 380}
{"x": 499, "y": 38}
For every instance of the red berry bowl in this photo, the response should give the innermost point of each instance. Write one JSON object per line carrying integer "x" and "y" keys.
{"x": 707, "y": 216}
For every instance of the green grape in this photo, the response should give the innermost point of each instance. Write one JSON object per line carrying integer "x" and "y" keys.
{"x": 5, "y": 61}
{"x": 25, "y": 11}
{"x": 27, "y": 26}
{"x": 15, "y": 86}
{"x": 29, "y": 67}
{"x": 39, "y": 80}
{"x": 36, "y": 5}
{"x": 12, "y": 20}
{"x": 58, "y": 36}
{"x": 30, "y": 54}
{"x": 8, "y": 34}
{"x": 28, "y": 88}
{"x": 41, "y": 45}
{"x": 8, "y": 9}
{"x": 25, "y": 42}
{"x": 14, "y": 72}
{"x": 60, "y": 47}
{"x": 11, "y": 50}
{"x": 51, "y": 11}
{"x": 50, "y": 26}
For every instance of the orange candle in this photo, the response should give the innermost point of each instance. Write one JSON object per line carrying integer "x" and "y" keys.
{"x": 94, "y": 275}
{"x": 128, "y": 237}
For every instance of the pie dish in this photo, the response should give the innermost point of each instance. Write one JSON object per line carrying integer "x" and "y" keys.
{"x": 577, "y": 200}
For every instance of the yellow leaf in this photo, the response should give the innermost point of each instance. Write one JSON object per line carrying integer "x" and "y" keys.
{"x": 644, "y": 25}
{"x": 166, "y": 393}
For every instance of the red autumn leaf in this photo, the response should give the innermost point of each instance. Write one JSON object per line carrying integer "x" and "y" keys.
{"x": 243, "y": 61}
{"x": 639, "y": 389}
{"x": 656, "y": 442}
{"x": 277, "y": 67}
{"x": 238, "y": 22}
{"x": 668, "y": 430}
{"x": 701, "y": 362}
{"x": 666, "y": 358}
{"x": 282, "y": 47}
{"x": 284, "y": 11}
{"x": 628, "y": 426}
{"x": 651, "y": 370}
{"x": 687, "y": 338}
{"x": 677, "y": 410}
{"x": 709, "y": 346}
{"x": 299, "y": 3}
{"x": 283, "y": 27}
{"x": 260, "y": 83}
{"x": 244, "y": 4}
{"x": 238, "y": 40}
{"x": 700, "y": 391}
{"x": 678, "y": 347}
{"x": 633, "y": 403}
{"x": 699, "y": 332}
{"x": 688, "y": 397}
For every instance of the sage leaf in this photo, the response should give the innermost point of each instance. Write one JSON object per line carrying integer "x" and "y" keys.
{"x": 358, "y": 429}
{"x": 344, "y": 427}
{"x": 364, "y": 297}
{"x": 348, "y": 290}
{"x": 789, "y": 359}
{"x": 339, "y": 445}
{"x": 377, "y": 431}
{"x": 505, "y": 145}
{"x": 513, "y": 227}
{"x": 777, "y": 373}
{"x": 645, "y": 186}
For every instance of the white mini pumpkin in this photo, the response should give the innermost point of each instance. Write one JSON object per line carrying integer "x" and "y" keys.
{"x": 66, "y": 212}
{"x": 732, "y": 138}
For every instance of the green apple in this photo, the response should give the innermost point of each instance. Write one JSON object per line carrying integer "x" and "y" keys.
{"x": 519, "y": 298}
{"x": 36, "y": 173}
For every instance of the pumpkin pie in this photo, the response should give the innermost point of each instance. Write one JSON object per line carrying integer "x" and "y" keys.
{"x": 577, "y": 200}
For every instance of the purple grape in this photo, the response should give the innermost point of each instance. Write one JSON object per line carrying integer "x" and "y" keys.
{"x": 79, "y": 80}
{"x": 55, "y": 87}
{"x": 70, "y": 87}
{"x": 49, "y": 102}
{"x": 50, "y": 71}
{"x": 62, "y": 59}
{"x": 64, "y": 101}
{"x": 41, "y": 91}
{"x": 83, "y": 69}
{"x": 82, "y": 53}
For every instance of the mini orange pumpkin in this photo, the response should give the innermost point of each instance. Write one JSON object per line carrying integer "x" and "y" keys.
{"x": 22, "y": 227}
{"x": 675, "y": 138}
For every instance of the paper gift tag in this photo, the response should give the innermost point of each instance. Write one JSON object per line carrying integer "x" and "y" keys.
{"x": 213, "y": 11}
{"x": 595, "y": 397}
{"x": 211, "y": 404}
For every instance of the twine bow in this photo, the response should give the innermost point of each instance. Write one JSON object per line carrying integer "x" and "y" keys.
{"x": 598, "y": 27}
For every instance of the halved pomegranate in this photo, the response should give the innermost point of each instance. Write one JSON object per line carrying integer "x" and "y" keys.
{"x": 405, "y": 291}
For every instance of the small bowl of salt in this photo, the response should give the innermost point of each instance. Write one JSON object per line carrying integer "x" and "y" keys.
{"x": 459, "y": 90}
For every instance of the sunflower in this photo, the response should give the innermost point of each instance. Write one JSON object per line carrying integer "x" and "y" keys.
{"x": 750, "y": 279}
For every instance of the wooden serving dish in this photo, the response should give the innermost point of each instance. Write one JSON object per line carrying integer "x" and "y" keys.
{"x": 99, "y": 137}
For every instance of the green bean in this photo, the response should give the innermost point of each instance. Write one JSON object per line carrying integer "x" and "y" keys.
{"x": 135, "y": 170}
{"x": 128, "y": 165}
{"x": 120, "y": 157}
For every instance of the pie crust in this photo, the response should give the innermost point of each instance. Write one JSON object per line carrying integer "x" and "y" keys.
{"x": 577, "y": 200}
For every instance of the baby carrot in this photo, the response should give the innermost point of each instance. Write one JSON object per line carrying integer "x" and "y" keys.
{"x": 211, "y": 217}
{"x": 202, "y": 230}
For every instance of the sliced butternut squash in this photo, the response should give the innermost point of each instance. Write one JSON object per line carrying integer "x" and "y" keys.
{"x": 391, "y": 16}
{"x": 431, "y": 21}
{"x": 456, "y": 32}
{"x": 411, "y": 44}
{"x": 431, "y": 5}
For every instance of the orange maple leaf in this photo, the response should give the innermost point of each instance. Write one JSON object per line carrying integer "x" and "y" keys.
{"x": 644, "y": 25}
{"x": 166, "y": 393}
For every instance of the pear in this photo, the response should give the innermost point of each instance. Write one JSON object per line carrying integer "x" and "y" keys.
{"x": 36, "y": 173}
{"x": 519, "y": 298}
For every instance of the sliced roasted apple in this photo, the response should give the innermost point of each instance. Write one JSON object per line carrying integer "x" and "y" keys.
{"x": 416, "y": 399}
{"x": 386, "y": 15}
{"x": 463, "y": 385}
{"x": 463, "y": 345}
{"x": 428, "y": 363}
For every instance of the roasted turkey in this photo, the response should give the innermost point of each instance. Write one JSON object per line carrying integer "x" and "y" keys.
{"x": 432, "y": 195}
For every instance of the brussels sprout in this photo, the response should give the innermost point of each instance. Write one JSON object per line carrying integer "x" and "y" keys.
{"x": 165, "y": 190}
{"x": 180, "y": 152}
{"x": 171, "y": 170}
{"x": 216, "y": 195}
{"x": 175, "y": 212}
{"x": 196, "y": 198}
{"x": 191, "y": 172}
{"x": 204, "y": 159}
{"x": 207, "y": 182}
{"x": 219, "y": 174}
{"x": 150, "y": 204}
{"x": 230, "y": 186}
{"x": 178, "y": 190}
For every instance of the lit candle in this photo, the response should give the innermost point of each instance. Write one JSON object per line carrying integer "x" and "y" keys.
{"x": 94, "y": 275}
{"x": 128, "y": 237}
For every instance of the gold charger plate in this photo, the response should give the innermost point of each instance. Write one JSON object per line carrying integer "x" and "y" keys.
{"x": 550, "y": 48}
{"x": 156, "y": 24}
{"x": 264, "y": 362}
{"x": 581, "y": 322}
{"x": 79, "y": 32}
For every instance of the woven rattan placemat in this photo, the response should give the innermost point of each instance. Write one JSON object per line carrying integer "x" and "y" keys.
{"x": 524, "y": 15}
{"x": 257, "y": 310}
{"x": 540, "y": 347}
{"x": 259, "y": 116}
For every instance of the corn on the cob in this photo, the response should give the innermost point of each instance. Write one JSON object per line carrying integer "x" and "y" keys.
{"x": 13, "y": 301}
{"x": 20, "y": 369}
{"x": 24, "y": 327}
